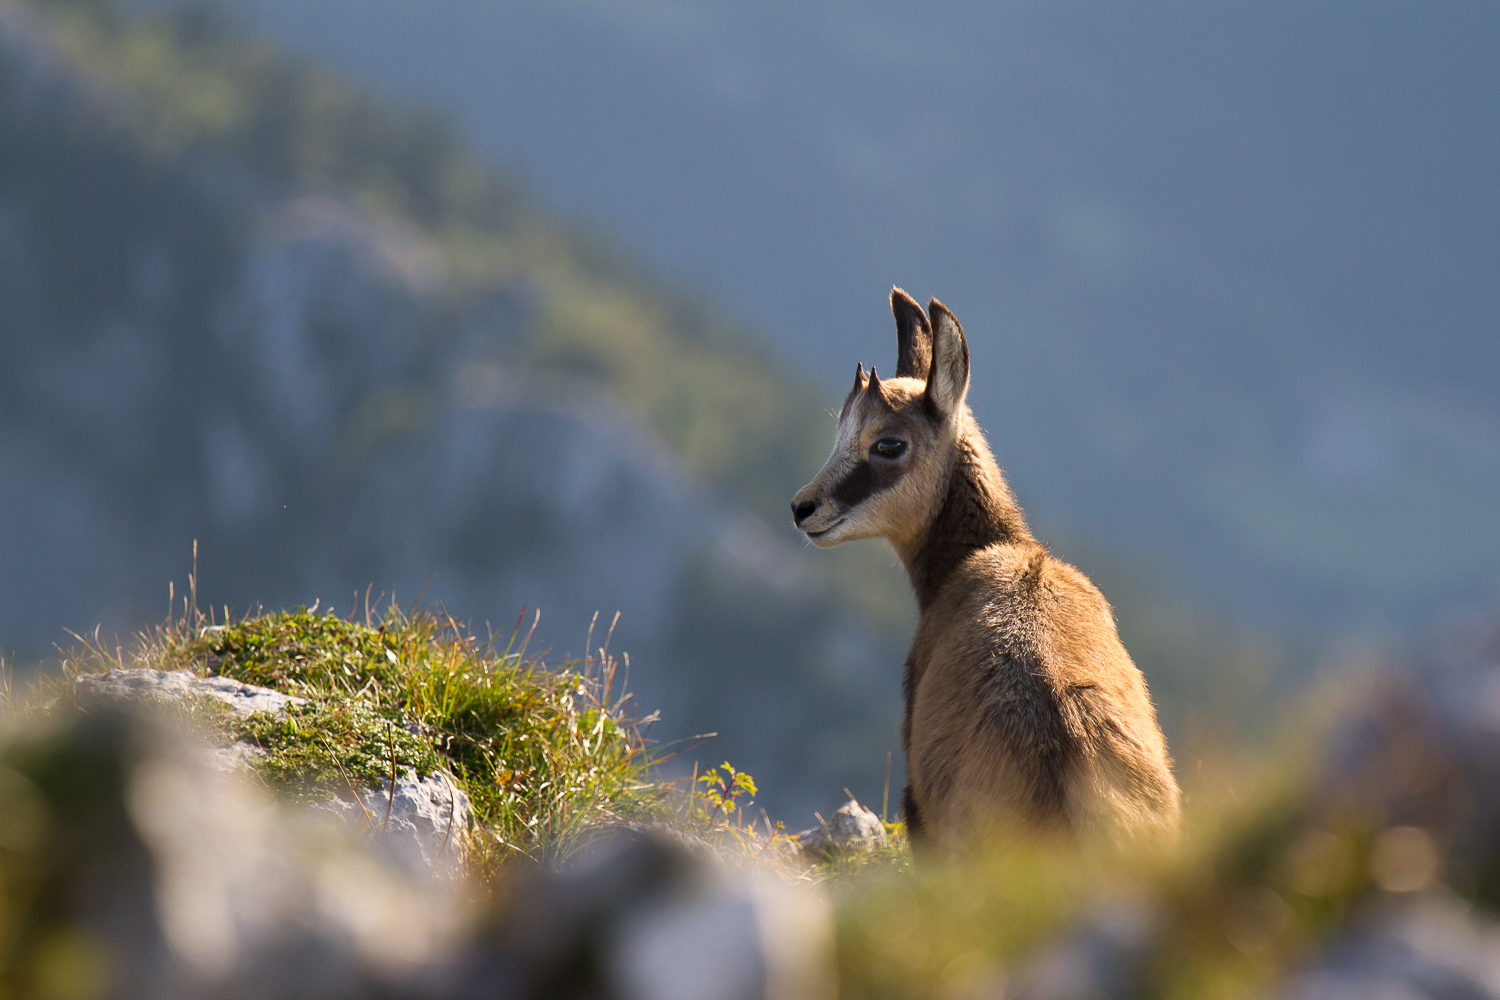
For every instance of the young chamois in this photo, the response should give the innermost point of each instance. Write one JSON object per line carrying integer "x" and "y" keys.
{"x": 1022, "y": 706}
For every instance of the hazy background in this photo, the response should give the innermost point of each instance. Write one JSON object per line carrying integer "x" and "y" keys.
{"x": 1227, "y": 273}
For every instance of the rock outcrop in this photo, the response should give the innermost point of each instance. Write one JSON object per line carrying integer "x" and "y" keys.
{"x": 423, "y": 823}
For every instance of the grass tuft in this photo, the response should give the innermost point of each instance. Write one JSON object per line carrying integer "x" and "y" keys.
{"x": 315, "y": 749}
{"x": 544, "y": 751}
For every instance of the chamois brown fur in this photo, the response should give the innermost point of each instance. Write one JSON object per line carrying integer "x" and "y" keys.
{"x": 1022, "y": 706}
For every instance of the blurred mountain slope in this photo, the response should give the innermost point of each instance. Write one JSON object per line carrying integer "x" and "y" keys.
{"x": 196, "y": 88}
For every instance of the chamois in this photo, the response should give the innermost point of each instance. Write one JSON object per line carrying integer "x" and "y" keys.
{"x": 1022, "y": 706}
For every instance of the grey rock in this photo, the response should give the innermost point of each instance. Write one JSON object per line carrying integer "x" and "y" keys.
{"x": 1424, "y": 751}
{"x": 694, "y": 845}
{"x": 238, "y": 756}
{"x": 94, "y": 691}
{"x": 853, "y": 828}
{"x": 424, "y": 825}
{"x": 91, "y": 690}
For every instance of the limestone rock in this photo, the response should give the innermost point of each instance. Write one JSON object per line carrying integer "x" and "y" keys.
{"x": 91, "y": 690}
{"x": 852, "y": 828}
{"x": 423, "y": 825}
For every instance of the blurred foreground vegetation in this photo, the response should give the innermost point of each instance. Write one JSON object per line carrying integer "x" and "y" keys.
{"x": 1377, "y": 816}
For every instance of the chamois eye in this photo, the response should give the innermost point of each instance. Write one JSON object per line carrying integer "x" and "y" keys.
{"x": 889, "y": 448}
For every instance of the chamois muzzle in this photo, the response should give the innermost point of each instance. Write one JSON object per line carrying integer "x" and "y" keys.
{"x": 802, "y": 511}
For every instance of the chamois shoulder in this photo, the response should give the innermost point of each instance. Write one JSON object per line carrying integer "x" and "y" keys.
{"x": 1026, "y": 570}
{"x": 1022, "y": 595}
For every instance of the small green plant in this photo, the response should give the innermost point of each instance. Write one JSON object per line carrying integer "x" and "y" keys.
{"x": 713, "y": 807}
{"x": 721, "y": 792}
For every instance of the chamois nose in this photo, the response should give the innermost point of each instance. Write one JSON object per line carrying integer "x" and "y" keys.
{"x": 802, "y": 511}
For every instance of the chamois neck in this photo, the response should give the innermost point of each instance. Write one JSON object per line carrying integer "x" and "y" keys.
{"x": 978, "y": 510}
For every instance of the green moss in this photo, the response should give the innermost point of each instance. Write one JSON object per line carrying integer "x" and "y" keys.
{"x": 300, "y": 651}
{"x": 542, "y": 752}
{"x": 320, "y": 749}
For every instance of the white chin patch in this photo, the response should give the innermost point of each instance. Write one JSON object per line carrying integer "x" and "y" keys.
{"x": 829, "y": 537}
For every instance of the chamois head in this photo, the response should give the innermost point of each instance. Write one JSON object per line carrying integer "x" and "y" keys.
{"x": 896, "y": 437}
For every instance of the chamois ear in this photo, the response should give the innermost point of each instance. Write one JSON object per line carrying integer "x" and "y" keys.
{"x": 913, "y": 336}
{"x": 948, "y": 379}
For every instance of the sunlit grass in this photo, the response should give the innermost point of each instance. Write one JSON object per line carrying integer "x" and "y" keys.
{"x": 544, "y": 751}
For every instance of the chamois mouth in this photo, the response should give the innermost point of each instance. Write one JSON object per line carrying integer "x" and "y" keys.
{"x": 820, "y": 534}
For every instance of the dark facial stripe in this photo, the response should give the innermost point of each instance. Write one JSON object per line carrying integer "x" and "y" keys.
{"x": 864, "y": 482}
